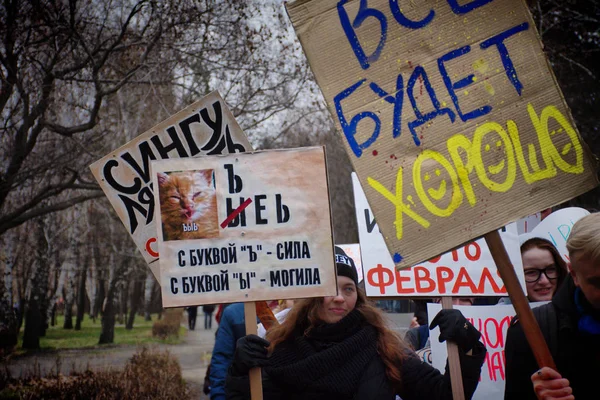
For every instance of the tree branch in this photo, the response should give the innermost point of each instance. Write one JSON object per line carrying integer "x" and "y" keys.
{"x": 5, "y": 225}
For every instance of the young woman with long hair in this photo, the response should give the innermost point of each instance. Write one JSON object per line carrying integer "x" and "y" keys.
{"x": 544, "y": 269}
{"x": 339, "y": 347}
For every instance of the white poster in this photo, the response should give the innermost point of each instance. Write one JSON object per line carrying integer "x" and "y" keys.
{"x": 493, "y": 323}
{"x": 244, "y": 227}
{"x": 353, "y": 251}
{"x": 556, "y": 227}
{"x": 206, "y": 127}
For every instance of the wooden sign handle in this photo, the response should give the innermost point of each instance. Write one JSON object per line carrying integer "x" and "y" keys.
{"x": 458, "y": 393}
{"x": 254, "y": 374}
{"x": 521, "y": 304}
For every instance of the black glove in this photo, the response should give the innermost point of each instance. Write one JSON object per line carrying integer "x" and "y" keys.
{"x": 250, "y": 352}
{"x": 455, "y": 328}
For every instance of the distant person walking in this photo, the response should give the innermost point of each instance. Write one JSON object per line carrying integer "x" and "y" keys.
{"x": 208, "y": 312}
{"x": 192, "y": 313}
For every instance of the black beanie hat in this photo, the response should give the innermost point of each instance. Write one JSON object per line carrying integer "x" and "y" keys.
{"x": 345, "y": 265}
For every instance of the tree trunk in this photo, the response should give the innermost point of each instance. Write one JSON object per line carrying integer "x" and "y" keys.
{"x": 94, "y": 275}
{"x": 108, "y": 310}
{"x": 38, "y": 285}
{"x": 57, "y": 287}
{"x": 69, "y": 292}
{"x": 19, "y": 309}
{"x": 9, "y": 326}
{"x": 68, "y": 323}
{"x": 33, "y": 322}
{"x": 148, "y": 295}
{"x": 136, "y": 293}
{"x": 123, "y": 303}
{"x": 53, "y": 315}
{"x": 81, "y": 293}
{"x": 100, "y": 295}
{"x": 108, "y": 319}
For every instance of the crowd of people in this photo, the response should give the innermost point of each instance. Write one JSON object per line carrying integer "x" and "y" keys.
{"x": 340, "y": 347}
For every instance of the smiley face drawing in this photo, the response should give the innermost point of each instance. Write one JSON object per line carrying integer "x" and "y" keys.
{"x": 559, "y": 138}
{"x": 493, "y": 157}
{"x": 436, "y": 183}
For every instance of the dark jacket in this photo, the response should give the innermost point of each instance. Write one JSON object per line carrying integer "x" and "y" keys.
{"x": 417, "y": 337}
{"x": 231, "y": 328}
{"x": 576, "y": 355}
{"x": 419, "y": 380}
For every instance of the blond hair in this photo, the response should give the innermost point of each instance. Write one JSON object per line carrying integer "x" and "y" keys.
{"x": 585, "y": 238}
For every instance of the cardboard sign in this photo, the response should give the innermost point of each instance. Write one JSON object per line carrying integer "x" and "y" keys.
{"x": 556, "y": 228}
{"x": 449, "y": 112}
{"x": 467, "y": 271}
{"x": 244, "y": 227}
{"x": 204, "y": 128}
{"x": 353, "y": 251}
{"x": 493, "y": 323}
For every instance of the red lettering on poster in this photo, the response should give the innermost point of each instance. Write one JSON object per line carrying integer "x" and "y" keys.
{"x": 444, "y": 275}
{"x": 485, "y": 274}
{"x": 400, "y": 279}
{"x": 422, "y": 274}
{"x": 149, "y": 249}
{"x": 464, "y": 280}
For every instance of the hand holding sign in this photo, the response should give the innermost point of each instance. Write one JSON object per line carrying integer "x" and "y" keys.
{"x": 549, "y": 384}
{"x": 454, "y": 327}
{"x": 250, "y": 352}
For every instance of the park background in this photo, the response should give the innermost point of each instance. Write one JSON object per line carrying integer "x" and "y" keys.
{"x": 80, "y": 79}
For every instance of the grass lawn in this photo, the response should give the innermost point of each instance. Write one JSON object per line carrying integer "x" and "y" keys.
{"x": 58, "y": 338}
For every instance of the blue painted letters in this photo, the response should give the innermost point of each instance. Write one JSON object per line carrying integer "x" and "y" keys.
{"x": 452, "y": 87}
{"x": 498, "y": 40}
{"x": 350, "y": 128}
{"x": 363, "y": 13}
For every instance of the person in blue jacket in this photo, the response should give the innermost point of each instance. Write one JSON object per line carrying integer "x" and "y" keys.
{"x": 231, "y": 328}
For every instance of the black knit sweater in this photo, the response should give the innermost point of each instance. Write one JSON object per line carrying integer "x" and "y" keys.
{"x": 340, "y": 361}
{"x": 329, "y": 360}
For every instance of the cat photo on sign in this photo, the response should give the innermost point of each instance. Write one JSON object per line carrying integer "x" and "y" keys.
{"x": 188, "y": 205}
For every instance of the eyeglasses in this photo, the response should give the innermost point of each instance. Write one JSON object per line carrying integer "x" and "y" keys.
{"x": 534, "y": 274}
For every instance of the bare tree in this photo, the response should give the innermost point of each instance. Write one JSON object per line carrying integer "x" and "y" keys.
{"x": 569, "y": 31}
{"x": 79, "y": 79}
{"x": 58, "y": 63}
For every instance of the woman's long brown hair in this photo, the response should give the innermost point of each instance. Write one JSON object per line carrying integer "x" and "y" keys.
{"x": 391, "y": 348}
{"x": 545, "y": 244}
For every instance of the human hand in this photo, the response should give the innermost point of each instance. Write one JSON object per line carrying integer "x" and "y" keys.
{"x": 250, "y": 352}
{"x": 414, "y": 323}
{"x": 550, "y": 385}
{"x": 455, "y": 328}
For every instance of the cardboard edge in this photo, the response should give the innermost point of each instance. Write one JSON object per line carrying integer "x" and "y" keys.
{"x": 324, "y": 150}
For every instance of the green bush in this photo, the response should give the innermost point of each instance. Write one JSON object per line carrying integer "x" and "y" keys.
{"x": 148, "y": 375}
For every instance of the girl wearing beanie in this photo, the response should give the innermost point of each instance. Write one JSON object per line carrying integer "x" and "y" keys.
{"x": 339, "y": 347}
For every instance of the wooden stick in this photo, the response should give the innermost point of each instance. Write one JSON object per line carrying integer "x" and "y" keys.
{"x": 521, "y": 304}
{"x": 458, "y": 393}
{"x": 254, "y": 374}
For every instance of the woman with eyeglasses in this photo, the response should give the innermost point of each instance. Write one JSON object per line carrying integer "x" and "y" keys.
{"x": 544, "y": 269}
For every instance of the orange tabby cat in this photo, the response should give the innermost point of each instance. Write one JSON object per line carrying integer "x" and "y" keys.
{"x": 188, "y": 205}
